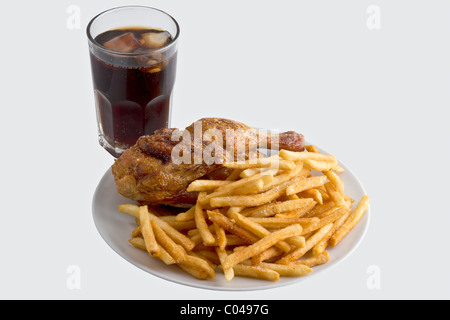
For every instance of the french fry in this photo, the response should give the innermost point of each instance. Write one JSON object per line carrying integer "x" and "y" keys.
{"x": 337, "y": 197}
{"x": 206, "y": 256}
{"x": 251, "y": 187}
{"x": 234, "y": 175}
{"x": 228, "y": 189}
{"x": 193, "y": 271}
{"x": 319, "y": 209}
{"x": 233, "y": 210}
{"x": 139, "y": 243}
{"x": 176, "y": 251}
{"x": 289, "y": 197}
{"x": 302, "y": 156}
{"x": 312, "y": 148}
{"x": 200, "y": 221}
{"x": 261, "y": 245}
{"x": 163, "y": 254}
{"x": 313, "y": 261}
{"x": 279, "y": 207}
{"x": 232, "y": 240}
{"x": 255, "y": 272}
{"x": 283, "y": 180}
{"x": 331, "y": 216}
{"x": 136, "y": 232}
{"x": 198, "y": 266}
{"x": 206, "y": 185}
{"x": 270, "y": 162}
{"x": 314, "y": 194}
{"x": 268, "y": 254}
{"x": 322, "y": 245}
{"x": 174, "y": 234}
{"x": 228, "y": 272}
{"x": 299, "y": 212}
{"x": 131, "y": 209}
{"x": 283, "y": 222}
{"x": 311, "y": 242}
{"x": 186, "y": 216}
{"x": 257, "y": 229}
{"x": 182, "y": 225}
{"x": 288, "y": 270}
{"x": 221, "y": 236}
{"x": 147, "y": 232}
{"x": 250, "y": 172}
{"x": 231, "y": 227}
{"x": 247, "y": 200}
{"x": 351, "y": 221}
{"x": 209, "y": 255}
{"x": 335, "y": 180}
{"x": 305, "y": 184}
{"x": 322, "y": 165}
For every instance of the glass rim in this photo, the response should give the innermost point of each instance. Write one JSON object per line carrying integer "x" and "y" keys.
{"x": 131, "y": 54}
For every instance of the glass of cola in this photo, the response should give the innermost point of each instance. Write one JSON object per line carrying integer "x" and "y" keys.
{"x": 133, "y": 52}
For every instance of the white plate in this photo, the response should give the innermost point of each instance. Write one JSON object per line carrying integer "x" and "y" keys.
{"x": 116, "y": 228}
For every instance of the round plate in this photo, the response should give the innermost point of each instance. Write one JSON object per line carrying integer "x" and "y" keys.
{"x": 116, "y": 228}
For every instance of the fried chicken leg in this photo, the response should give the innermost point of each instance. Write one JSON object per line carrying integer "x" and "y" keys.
{"x": 151, "y": 172}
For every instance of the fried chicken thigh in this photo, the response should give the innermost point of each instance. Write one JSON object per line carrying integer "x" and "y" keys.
{"x": 159, "y": 167}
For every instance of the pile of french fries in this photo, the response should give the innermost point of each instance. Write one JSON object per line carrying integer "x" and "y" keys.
{"x": 273, "y": 217}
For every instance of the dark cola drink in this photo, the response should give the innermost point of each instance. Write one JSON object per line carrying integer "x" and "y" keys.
{"x": 133, "y": 72}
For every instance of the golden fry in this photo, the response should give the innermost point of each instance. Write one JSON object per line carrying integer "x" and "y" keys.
{"x": 322, "y": 245}
{"x": 176, "y": 251}
{"x": 256, "y": 229}
{"x": 202, "y": 226}
{"x": 314, "y": 194}
{"x": 131, "y": 209}
{"x": 313, "y": 261}
{"x": 248, "y": 200}
{"x": 163, "y": 254}
{"x": 312, "y": 241}
{"x": 234, "y": 175}
{"x": 331, "y": 216}
{"x": 337, "y": 197}
{"x": 351, "y": 221}
{"x": 228, "y": 272}
{"x": 186, "y": 216}
{"x": 231, "y": 227}
{"x": 279, "y": 207}
{"x": 335, "y": 180}
{"x": 305, "y": 184}
{"x": 261, "y": 245}
{"x": 255, "y": 272}
{"x": 147, "y": 232}
{"x": 221, "y": 236}
{"x": 251, "y": 187}
{"x": 173, "y": 233}
{"x": 262, "y": 163}
{"x": 288, "y": 270}
{"x": 228, "y": 189}
{"x": 268, "y": 254}
{"x": 198, "y": 266}
{"x": 206, "y": 185}
{"x": 302, "y": 156}
{"x": 312, "y": 148}
{"x": 283, "y": 222}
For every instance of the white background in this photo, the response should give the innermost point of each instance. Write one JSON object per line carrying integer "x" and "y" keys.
{"x": 377, "y": 99}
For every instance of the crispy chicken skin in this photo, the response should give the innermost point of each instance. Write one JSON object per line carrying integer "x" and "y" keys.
{"x": 147, "y": 173}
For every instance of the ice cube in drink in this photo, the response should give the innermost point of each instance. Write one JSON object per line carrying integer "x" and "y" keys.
{"x": 156, "y": 39}
{"x": 124, "y": 43}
